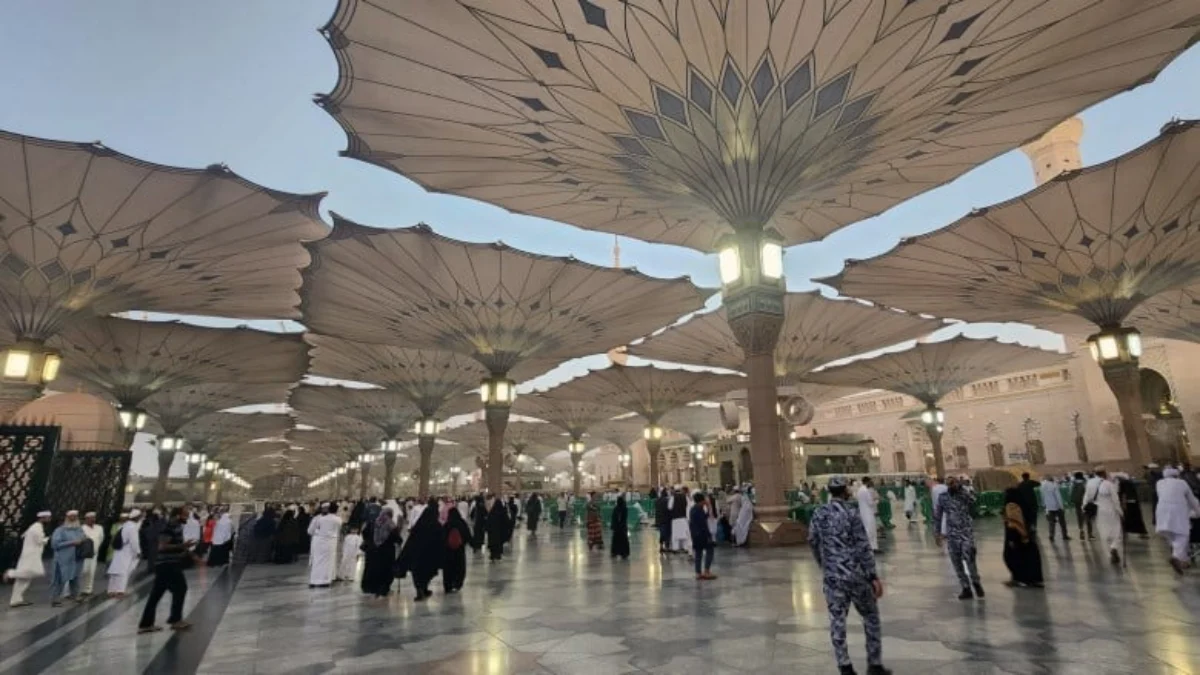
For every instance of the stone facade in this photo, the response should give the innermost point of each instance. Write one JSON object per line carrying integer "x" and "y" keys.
{"x": 1058, "y": 417}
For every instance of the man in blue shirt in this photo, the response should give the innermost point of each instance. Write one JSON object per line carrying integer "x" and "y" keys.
{"x": 702, "y": 540}
{"x": 1053, "y": 503}
{"x": 839, "y": 542}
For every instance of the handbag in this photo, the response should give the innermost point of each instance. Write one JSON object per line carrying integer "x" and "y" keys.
{"x": 85, "y": 550}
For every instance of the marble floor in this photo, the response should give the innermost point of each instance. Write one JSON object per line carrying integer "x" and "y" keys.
{"x": 551, "y": 607}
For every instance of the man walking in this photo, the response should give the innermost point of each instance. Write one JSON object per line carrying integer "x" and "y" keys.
{"x": 65, "y": 542}
{"x": 1176, "y": 507}
{"x": 954, "y": 506}
{"x": 172, "y": 550}
{"x": 839, "y": 543}
{"x": 1078, "y": 493}
{"x": 95, "y": 534}
{"x": 29, "y": 565}
{"x": 1052, "y": 502}
{"x": 1027, "y": 499}
{"x": 702, "y": 539}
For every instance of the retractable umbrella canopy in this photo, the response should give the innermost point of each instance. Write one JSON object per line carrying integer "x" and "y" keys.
{"x": 816, "y": 331}
{"x": 676, "y": 122}
{"x": 87, "y": 231}
{"x": 1080, "y": 251}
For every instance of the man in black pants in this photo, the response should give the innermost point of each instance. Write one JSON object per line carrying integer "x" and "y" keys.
{"x": 172, "y": 551}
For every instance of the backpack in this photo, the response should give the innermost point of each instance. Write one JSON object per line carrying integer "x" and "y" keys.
{"x": 118, "y": 541}
{"x": 85, "y": 550}
{"x": 454, "y": 541}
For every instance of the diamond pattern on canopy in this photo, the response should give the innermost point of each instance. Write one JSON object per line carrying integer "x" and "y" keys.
{"x": 1173, "y": 314}
{"x": 572, "y": 416}
{"x": 130, "y": 360}
{"x": 88, "y": 231}
{"x": 673, "y": 121}
{"x": 1085, "y": 248}
{"x": 389, "y": 411}
{"x": 175, "y": 407}
{"x": 496, "y": 304}
{"x": 220, "y": 431}
{"x": 649, "y": 391}
{"x": 816, "y": 330}
{"x": 931, "y": 370}
{"x": 430, "y": 378}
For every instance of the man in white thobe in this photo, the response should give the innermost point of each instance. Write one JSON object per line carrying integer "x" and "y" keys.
{"x": 910, "y": 501}
{"x": 1177, "y": 505}
{"x": 741, "y": 527}
{"x": 866, "y": 512}
{"x": 939, "y": 488}
{"x": 735, "y": 506}
{"x": 324, "y": 530}
{"x": 125, "y": 558}
{"x": 94, "y": 532}
{"x": 29, "y": 565}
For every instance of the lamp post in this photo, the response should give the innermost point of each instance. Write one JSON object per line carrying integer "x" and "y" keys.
{"x": 455, "y": 473}
{"x": 219, "y": 480}
{"x": 195, "y": 462}
{"x": 697, "y": 452}
{"x": 751, "y": 266}
{"x": 427, "y": 430}
{"x": 653, "y": 435}
{"x": 575, "y": 449}
{"x": 364, "y": 461}
{"x": 389, "y": 449}
{"x": 626, "y": 465}
{"x": 351, "y": 476}
{"x": 497, "y": 393}
{"x": 168, "y": 445}
{"x": 1117, "y": 350}
{"x": 210, "y": 470}
{"x": 29, "y": 362}
{"x": 933, "y": 419}
{"x": 798, "y": 458}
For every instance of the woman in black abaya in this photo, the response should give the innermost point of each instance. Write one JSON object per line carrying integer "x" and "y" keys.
{"x": 454, "y": 556}
{"x": 479, "y": 520}
{"x": 620, "y": 529}
{"x": 422, "y": 553}
{"x": 1021, "y": 554}
{"x": 498, "y": 529}
{"x": 380, "y": 541}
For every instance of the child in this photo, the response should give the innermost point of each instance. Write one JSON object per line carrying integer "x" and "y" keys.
{"x": 350, "y": 551}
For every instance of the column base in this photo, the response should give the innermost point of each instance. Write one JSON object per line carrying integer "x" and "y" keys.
{"x": 772, "y": 527}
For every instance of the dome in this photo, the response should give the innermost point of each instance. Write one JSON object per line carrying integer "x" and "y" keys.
{"x": 88, "y": 422}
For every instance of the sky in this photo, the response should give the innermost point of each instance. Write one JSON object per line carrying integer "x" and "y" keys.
{"x": 231, "y": 81}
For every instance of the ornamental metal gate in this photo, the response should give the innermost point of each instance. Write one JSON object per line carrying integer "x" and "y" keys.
{"x": 25, "y": 461}
{"x": 88, "y": 480}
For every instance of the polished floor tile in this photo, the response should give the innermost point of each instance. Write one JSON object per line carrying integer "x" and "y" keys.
{"x": 552, "y": 607}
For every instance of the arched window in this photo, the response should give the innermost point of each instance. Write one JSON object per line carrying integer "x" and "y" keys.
{"x": 1034, "y": 449}
{"x": 959, "y": 442}
{"x": 995, "y": 446}
{"x": 900, "y": 461}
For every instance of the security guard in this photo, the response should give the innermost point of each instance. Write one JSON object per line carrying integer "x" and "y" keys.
{"x": 840, "y": 543}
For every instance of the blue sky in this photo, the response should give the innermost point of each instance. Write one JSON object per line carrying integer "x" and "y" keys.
{"x": 232, "y": 81}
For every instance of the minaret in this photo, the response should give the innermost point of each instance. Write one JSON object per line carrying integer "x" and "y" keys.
{"x": 617, "y": 354}
{"x": 1056, "y": 151}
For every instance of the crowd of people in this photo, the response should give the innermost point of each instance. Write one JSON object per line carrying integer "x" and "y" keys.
{"x": 424, "y": 539}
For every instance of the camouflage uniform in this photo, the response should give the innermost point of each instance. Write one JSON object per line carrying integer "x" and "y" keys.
{"x": 959, "y": 533}
{"x": 840, "y": 544}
